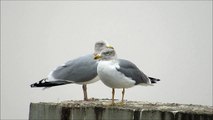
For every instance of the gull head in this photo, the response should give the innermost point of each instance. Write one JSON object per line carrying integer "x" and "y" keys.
{"x": 106, "y": 54}
{"x": 101, "y": 45}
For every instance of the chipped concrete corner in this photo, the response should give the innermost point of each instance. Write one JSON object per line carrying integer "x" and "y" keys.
{"x": 101, "y": 110}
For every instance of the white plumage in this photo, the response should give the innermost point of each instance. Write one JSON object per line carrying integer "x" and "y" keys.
{"x": 111, "y": 77}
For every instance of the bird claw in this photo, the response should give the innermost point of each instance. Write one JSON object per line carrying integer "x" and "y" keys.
{"x": 120, "y": 104}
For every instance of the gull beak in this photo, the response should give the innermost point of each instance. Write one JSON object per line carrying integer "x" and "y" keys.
{"x": 109, "y": 46}
{"x": 98, "y": 56}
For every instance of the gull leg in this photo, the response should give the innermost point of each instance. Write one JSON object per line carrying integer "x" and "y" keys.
{"x": 84, "y": 86}
{"x": 113, "y": 94}
{"x": 122, "y": 100}
{"x": 123, "y": 92}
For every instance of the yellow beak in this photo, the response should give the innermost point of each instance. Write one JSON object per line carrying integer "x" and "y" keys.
{"x": 97, "y": 57}
{"x": 109, "y": 46}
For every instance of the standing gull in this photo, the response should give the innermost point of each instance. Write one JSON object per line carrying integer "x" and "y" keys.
{"x": 120, "y": 73}
{"x": 82, "y": 70}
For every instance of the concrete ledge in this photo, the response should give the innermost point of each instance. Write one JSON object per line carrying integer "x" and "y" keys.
{"x": 101, "y": 110}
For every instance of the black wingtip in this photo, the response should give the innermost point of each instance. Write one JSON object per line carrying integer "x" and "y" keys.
{"x": 44, "y": 83}
{"x": 154, "y": 80}
{"x": 34, "y": 85}
{"x": 39, "y": 84}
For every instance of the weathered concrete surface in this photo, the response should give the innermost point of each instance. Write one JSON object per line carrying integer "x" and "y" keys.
{"x": 101, "y": 110}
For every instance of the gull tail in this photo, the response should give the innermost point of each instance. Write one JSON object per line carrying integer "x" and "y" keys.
{"x": 154, "y": 80}
{"x": 44, "y": 83}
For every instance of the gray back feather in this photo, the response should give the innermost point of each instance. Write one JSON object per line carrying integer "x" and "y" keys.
{"x": 80, "y": 69}
{"x": 129, "y": 69}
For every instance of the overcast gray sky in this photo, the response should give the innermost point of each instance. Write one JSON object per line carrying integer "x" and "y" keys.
{"x": 168, "y": 40}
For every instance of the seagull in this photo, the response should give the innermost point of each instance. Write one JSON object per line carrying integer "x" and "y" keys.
{"x": 82, "y": 70}
{"x": 120, "y": 73}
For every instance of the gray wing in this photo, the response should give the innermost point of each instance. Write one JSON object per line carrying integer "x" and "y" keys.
{"x": 81, "y": 69}
{"x": 131, "y": 70}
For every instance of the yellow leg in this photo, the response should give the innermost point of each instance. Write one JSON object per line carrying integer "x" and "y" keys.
{"x": 122, "y": 100}
{"x": 113, "y": 94}
{"x": 123, "y": 92}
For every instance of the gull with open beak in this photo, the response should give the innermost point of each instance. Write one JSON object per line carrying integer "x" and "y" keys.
{"x": 82, "y": 70}
{"x": 120, "y": 73}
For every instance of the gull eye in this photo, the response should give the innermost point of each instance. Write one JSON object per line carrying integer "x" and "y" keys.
{"x": 107, "y": 53}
